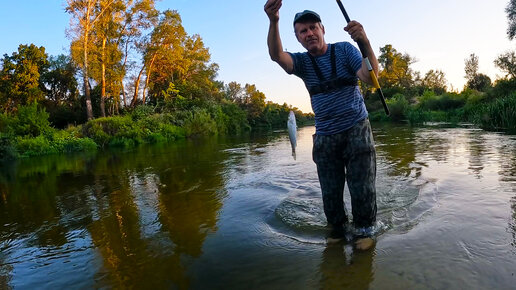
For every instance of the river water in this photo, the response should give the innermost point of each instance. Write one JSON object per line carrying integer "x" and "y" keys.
{"x": 241, "y": 213}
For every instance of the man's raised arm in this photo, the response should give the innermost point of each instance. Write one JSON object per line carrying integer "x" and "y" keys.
{"x": 273, "y": 38}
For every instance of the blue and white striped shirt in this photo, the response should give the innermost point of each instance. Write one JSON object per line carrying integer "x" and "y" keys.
{"x": 341, "y": 109}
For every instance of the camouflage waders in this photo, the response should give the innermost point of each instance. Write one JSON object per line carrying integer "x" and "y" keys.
{"x": 350, "y": 156}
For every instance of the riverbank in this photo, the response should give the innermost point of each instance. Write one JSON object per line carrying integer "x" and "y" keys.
{"x": 29, "y": 132}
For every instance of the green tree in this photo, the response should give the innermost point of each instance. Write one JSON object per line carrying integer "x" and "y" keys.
{"x": 234, "y": 93}
{"x": 471, "y": 66}
{"x": 196, "y": 77}
{"x": 108, "y": 55}
{"x": 20, "y": 77}
{"x": 511, "y": 16}
{"x": 475, "y": 80}
{"x": 396, "y": 71}
{"x": 254, "y": 101}
{"x": 507, "y": 63}
{"x": 435, "y": 80}
{"x": 139, "y": 15}
{"x": 164, "y": 49}
{"x": 85, "y": 14}
{"x": 182, "y": 60}
{"x": 60, "y": 83}
{"x": 480, "y": 82}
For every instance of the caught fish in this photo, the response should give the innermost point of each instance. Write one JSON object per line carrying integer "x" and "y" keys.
{"x": 292, "y": 132}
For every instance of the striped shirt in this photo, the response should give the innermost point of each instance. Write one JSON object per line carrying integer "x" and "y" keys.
{"x": 337, "y": 110}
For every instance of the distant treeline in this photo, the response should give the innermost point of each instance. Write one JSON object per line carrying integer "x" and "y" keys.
{"x": 417, "y": 99}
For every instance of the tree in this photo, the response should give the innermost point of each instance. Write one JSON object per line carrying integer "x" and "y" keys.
{"x": 471, "y": 67}
{"x": 511, "y": 15}
{"x": 84, "y": 16}
{"x": 196, "y": 77}
{"x": 254, "y": 101}
{"x": 234, "y": 92}
{"x": 507, "y": 63}
{"x": 164, "y": 49}
{"x": 20, "y": 77}
{"x": 435, "y": 80}
{"x": 475, "y": 80}
{"x": 59, "y": 81}
{"x": 106, "y": 31}
{"x": 140, "y": 15}
{"x": 479, "y": 82}
{"x": 396, "y": 71}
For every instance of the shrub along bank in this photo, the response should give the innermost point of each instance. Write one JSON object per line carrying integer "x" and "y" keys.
{"x": 486, "y": 110}
{"x": 29, "y": 133}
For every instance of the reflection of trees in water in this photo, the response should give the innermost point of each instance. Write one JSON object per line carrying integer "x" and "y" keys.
{"x": 477, "y": 150}
{"x": 433, "y": 144}
{"x": 507, "y": 173}
{"x": 397, "y": 146}
{"x": 111, "y": 195}
{"x": 34, "y": 207}
{"x": 513, "y": 222}
{"x": 341, "y": 269}
{"x": 5, "y": 275}
{"x": 182, "y": 184}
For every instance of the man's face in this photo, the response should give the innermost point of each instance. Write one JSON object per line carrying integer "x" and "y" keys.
{"x": 311, "y": 36}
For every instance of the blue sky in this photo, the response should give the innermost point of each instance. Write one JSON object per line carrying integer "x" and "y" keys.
{"x": 440, "y": 34}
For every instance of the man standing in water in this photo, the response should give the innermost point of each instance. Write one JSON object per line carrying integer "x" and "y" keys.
{"x": 343, "y": 146}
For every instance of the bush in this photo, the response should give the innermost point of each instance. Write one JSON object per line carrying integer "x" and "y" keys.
{"x": 398, "y": 105}
{"x": 499, "y": 114}
{"x": 5, "y": 124}
{"x": 34, "y": 146}
{"x": 31, "y": 121}
{"x": 114, "y": 131}
{"x": 502, "y": 88}
{"x": 199, "y": 122}
{"x": 7, "y": 149}
{"x": 141, "y": 112}
{"x": 171, "y": 132}
{"x": 237, "y": 118}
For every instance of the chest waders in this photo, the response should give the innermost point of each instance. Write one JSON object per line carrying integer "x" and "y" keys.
{"x": 334, "y": 83}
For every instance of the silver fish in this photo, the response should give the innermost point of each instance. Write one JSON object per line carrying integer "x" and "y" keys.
{"x": 292, "y": 132}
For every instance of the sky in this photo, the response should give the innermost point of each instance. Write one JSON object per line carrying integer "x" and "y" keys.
{"x": 439, "y": 34}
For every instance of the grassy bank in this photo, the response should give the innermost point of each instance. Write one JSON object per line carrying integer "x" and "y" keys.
{"x": 481, "y": 109}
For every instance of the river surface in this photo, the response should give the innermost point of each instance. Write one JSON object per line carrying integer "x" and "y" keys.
{"x": 241, "y": 213}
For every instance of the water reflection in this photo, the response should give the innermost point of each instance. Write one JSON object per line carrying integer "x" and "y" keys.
{"x": 343, "y": 268}
{"x": 145, "y": 219}
{"x": 399, "y": 159}
{"x": 507, "y": 173}
{"x": 225, "y": 212}
{"x": 477, "y": 152}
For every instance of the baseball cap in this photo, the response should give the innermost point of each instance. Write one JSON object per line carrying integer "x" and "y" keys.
{"x": 306, "y": 15}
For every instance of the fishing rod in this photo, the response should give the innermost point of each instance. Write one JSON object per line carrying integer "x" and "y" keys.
{"x": 363, "y": 50}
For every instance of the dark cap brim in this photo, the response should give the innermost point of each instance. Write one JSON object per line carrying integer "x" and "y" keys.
{"x": 306, "y": 15}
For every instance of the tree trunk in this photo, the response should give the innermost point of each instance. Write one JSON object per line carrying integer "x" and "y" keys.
{"x": 124, "y": 95}
{"x": 89, "y": 109}
{"x": 137, "y": 87}
{"x": 149, "y": 69}
{"x": 103, "y": 89}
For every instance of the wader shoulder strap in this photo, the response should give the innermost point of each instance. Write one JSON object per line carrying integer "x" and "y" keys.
{"x": 333, "y": 65}
{"x": 335, "y": 82}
